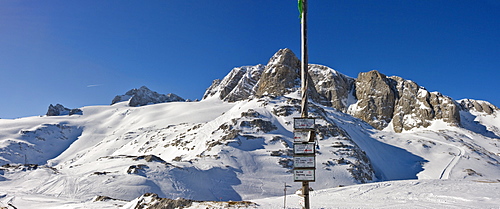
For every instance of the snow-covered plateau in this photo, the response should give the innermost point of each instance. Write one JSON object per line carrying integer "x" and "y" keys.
{"x": 234, "y": 149}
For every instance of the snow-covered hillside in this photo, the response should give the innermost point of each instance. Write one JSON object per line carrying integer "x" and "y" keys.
{"x": 214, "y": 150}
{"x": 241, "y": 150}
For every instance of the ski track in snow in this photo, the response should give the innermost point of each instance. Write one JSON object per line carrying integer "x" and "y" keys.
{"x": 445, "y": 173}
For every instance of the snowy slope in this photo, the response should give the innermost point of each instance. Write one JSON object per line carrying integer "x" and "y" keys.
{"x": 397, "y": 194}
{"x": 213, "y": 150}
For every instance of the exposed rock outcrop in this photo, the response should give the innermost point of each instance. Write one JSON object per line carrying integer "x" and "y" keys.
{"x": 376, "y": 98}
{"x": 239, "y": 84}
{"x": 152, "y": 201}
{"x": 335, "y": 88}
{"x": 383, "y": 99}
{"x": 59, "y": 109}
{"x": 281, "y": 74}
{"x": 417, "y": 107}
{"x": 144, "y": 96}
{"x": 478, "y": 106}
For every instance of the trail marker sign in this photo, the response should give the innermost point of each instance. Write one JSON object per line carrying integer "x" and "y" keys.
{"x": 304, "y": 161}
{"x": 304, "y": 148}
{"x": 303, "y": 123}
{"x": 301, "y": 136}
{"x": 304, "y": 175}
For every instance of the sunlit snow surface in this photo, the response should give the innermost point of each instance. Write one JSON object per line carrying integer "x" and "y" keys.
{"x": 99, "y": 153}
{"x": 399, "y": 194}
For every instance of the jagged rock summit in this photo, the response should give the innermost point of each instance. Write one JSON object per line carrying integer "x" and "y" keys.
{"x": 59, "y": 109}
{"x": 379, "y": 100}
{"x": 279, "y": 77}
{"x": 144, "y": 96}
{"x": 478, "y": 106}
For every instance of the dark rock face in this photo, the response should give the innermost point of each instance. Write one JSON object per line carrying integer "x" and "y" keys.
{"x": 384, "y": 99}
{"x": 416, "y": 107}
{"x": 478, "y": 106}
{"x": 376, "y": 99}
{"x": 59, "y": 109}
{"x": 281, "y": 73}
{"x": 282, "y": 76}
{"x": 144, "y": 96}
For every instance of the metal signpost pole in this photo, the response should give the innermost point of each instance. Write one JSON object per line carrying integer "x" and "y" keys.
{"x": 304, "y": 83}
{"x": 304, "y": 59}
{"x": 284, "y": 200}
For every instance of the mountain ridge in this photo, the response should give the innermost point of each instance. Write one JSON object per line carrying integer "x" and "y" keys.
{"x": 373, "y": 97}
{"x": 236, "y": 143}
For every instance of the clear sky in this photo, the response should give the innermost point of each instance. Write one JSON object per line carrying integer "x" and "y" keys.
{"x": 81, "y": 53}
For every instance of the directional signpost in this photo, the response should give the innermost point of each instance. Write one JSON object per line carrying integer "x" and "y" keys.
{"x": 304, "y": 154}
{"x": 304, "y": 124}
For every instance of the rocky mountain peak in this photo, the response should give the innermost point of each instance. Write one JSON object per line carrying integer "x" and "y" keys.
{"x": 478, "y": 106}
{"x": 59, "y": 109}
{"x": 144, "y": 96}
{"x": 285, "y": 57}
{"x": 281, "y": 74}
{"x": 279, "y": 77}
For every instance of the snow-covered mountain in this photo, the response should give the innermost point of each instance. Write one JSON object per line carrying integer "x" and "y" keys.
{"x": 236, "y": 143}
{"x": 143, "y": 96}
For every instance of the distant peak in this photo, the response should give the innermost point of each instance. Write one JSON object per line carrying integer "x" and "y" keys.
{"x": 144, "y": 96}
{"x": 59, "y": 109}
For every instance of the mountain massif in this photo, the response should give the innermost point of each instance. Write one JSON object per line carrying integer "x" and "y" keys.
{"x": 373, "y": 97}
{"x": 237, "y": 142}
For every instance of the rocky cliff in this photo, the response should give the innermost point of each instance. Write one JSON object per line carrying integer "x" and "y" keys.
{"x": 382, "y": 100}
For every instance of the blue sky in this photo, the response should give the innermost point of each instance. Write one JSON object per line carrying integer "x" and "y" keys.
{"x": 81, "y": 53}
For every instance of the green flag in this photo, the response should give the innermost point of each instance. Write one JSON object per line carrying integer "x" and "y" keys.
{"x": 301, "y": 6}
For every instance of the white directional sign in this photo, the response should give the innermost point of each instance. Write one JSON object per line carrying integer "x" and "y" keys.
{"x": 304, "y": 158}
{"x": 304, "y": 161}
{"x": 303, "y": 123}
{"x": 303, "y": 175}
{"x": 299, "y": 148}
{"x": 301, "y": 136}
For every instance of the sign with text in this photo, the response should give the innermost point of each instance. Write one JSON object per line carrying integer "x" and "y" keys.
{"x": 303, "y": 175}
{"x": 303, "y": 123}
{"x": 299, "y": 148}
{"x": 304, "y": 161}
{"x": 301, "y": 136}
